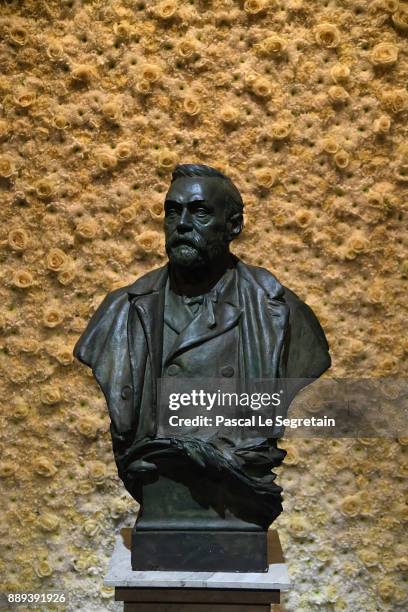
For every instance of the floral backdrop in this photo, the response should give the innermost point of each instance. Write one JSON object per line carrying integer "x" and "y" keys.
{"x": 304, "y": 105}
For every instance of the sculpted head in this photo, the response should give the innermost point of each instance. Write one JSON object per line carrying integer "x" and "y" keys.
{"x": 203, "y": 213}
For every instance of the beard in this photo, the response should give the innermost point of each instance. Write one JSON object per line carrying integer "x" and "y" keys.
{"x": 193, "y": 251}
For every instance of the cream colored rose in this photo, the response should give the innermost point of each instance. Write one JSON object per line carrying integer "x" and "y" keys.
{"x": 229, "y": 115}
{"x": 156, "y": 211}
{"x": 87, "y": 228}
{"x": 55, "y": 50}
{"x": 143, "y": 86}
{"x": 65, "y": 356}
{"x": 341, "y": 159}
{"x": 149, "y": 241}
{"x": 303, "y": 217}
{"x": 150, "y": 73}
{"x": 20, "y": 409}
{"x": 298, "y": 526}
{"x": 118, "y": 507}
{"x": 350, "y": 506}
{"x": 396, "y": 100}
{"x": 83, "y": 72}
{"x": 52, "y": 316}
{"x": 400, "y": 18}
{"x": 339, "y": 73}
{"x": 50, "y": 394}
{"x": 387, "y": 5}
{"x": 42, "y": 568}
{"x": 330, "y": 144}
{"x": 25, "y": 97}
{"x": 280, "y": 130}
{"x": 128, "y": 214}
{"x": 7, "y": 166}
{"x": 253, "y": 7}
{"x": 166, "y": 9}
{"x": 107, "y": 592}
{"x": 22, "y": 279}
{"x": 356, "y": 243}
{"x": 191, "y": 105}
{"x": 265, "y": 177}
{"x": 85, "y": 561}
{"x": 91, "y": 528}
{"x": 67, "y": 275}
{"x": 106, "y": 159}
{"x": 84, "y": 487}
{"x": 7, "y": 469}
{"x": 112, "y": 111}
{"x": 187, "y": 48}
{"x": 167, "y": 159}
{"x": 18, "y": 35}
{"x": 327, "y": 35}
{"x": 384, "y": 54}
{"x": 48, "y": 521}
{"x": 123, "y": 29}
{"x": 261, "y": 87}
{"x": 88, "y": 426}
{"x": 44, "y": 467}
{"x": 124, "y": 150}
{"x": 56, "y": 260}
{"x": 337, "y": 94}
{"x": 61, "y": 122}
{"x": 386, "y": 588}
{"x": 18, "y": 239}
{"x": 382, "y": 124}
{"x": 369, "y": 557}
{"x": 273, "y": 46}
{"x": 44, "y": 189}
{"x": 97, "y": 472}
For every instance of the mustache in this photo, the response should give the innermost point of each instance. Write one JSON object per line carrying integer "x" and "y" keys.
{"x": 193, "y": 241}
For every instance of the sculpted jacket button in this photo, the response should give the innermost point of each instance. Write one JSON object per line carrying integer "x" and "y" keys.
{"x": 173, "y": 369}
{"x": 126, "y": 392}
{"x": 227, "y": 371}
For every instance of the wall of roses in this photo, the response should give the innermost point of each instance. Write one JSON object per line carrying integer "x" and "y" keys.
{"x": 304, "y": 104}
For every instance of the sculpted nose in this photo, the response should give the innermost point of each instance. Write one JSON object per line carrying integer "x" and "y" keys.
{"x": 185, "y": 223}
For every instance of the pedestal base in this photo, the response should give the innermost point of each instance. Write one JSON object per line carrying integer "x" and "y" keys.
{"x": 176, "y": 591}
{"x": 199, "y": 551}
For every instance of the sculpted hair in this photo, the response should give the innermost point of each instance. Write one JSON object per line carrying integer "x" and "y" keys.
{"x": 233, "y": 197}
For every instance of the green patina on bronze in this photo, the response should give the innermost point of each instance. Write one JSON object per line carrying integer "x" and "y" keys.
{"x": 205, "y": 313}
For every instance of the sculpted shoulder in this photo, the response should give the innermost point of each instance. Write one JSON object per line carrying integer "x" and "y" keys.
{"x": 110, "y": 318}
{"x": 262, "y": 277}
{"x": 306, "y": 352}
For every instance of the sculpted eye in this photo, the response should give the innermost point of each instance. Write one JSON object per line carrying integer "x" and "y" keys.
{"x": 201, "y": 211}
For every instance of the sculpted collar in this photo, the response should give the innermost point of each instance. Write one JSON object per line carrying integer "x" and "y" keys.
{"x": 156, "y": 280}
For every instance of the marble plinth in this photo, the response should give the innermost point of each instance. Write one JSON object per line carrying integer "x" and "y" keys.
{"x": 156, "y": 591}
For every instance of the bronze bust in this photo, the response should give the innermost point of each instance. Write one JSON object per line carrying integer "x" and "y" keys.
{"x": 208, "y": 312}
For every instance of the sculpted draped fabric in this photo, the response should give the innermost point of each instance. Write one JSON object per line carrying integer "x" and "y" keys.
{"x": 123, "y": 342}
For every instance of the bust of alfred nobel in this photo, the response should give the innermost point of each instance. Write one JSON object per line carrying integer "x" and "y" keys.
{"x": 204, "y": 313}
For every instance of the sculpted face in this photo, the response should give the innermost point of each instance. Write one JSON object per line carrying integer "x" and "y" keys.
{"x": 197, "y": 227}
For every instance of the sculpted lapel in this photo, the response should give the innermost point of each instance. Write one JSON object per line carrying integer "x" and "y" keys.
{"x": 198, "y": 331}
{"x": 145, "y": 344}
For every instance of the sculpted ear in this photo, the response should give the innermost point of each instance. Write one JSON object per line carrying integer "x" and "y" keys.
{"x": 235, "y": 224}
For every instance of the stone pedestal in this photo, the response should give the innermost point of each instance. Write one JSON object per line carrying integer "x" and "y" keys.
{"x": 164, "y": 591}
{"x": 190, "y": 527}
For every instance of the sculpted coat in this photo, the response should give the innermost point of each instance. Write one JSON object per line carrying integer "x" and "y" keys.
{"x": 123, "y": 342}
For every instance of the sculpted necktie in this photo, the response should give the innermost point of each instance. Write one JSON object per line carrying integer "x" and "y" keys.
{"x": 206, "y": 302}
